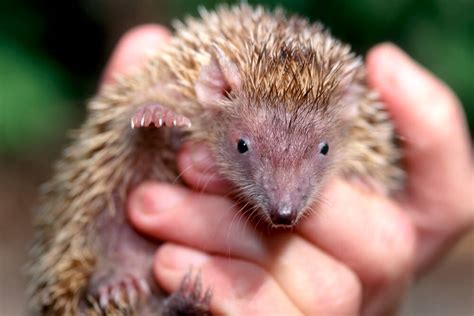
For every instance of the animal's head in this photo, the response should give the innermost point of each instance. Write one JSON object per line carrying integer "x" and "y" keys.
{"x": 280, "y": 120}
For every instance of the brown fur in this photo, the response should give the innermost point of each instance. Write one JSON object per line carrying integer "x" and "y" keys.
{"x": 290, "y": 62}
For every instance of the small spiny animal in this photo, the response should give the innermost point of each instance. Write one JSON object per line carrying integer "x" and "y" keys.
{"x": 282, "y": 105}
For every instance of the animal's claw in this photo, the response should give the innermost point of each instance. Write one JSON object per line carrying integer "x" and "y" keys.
{"x": 157, "y": 116}
{"x": 190, "y": 298}
{"x": 124, "y": 291}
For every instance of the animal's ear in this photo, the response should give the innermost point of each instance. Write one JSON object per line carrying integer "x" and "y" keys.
{"x": 216, "y": 79}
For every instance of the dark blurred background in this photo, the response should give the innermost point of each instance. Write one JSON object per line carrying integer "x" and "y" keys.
{"x": 52, "y": 53}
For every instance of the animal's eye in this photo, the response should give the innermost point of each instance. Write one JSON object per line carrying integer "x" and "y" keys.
{"x": 242, "y": 146}
{"x": 323, "y": 148}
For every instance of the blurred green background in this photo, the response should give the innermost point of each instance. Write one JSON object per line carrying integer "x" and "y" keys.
{"x": 52, "y": 52}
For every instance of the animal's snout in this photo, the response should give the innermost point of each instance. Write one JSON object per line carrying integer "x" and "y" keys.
{"x": 283, "y": 216}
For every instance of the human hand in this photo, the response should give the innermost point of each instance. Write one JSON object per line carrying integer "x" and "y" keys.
{"x": 359, "y": 252}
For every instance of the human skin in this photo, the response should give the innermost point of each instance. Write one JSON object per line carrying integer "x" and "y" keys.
{"x": 359, "y": 252}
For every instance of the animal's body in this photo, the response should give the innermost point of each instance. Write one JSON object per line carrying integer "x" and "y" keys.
{"x": 282, "y": 105}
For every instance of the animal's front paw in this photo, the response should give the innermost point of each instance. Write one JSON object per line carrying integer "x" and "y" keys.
{"x": 122, "y": 291}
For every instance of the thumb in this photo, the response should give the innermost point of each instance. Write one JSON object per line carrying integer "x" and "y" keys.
{"x": 132, "y": 49}
{"x": 430, "y": 120}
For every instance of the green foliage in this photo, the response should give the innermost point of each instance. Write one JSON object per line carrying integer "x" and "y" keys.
{"x": 32, "y": 96}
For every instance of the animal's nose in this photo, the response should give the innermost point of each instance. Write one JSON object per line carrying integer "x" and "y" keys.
{"x": 283, "y": 216}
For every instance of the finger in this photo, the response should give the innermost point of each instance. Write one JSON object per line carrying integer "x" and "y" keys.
{"x": 430, "y": 120}
{"x": 198, "y": 169}
{"x": 238, "y": 287}
{"x": 368, "y": 233}
{"x": 133, "y": 47}
{"x": 331, "y": 288}
{"x": 207, "y": 222}
{"x": 437, "y": 150}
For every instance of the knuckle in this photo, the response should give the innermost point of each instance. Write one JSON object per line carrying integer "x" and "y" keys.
{"x": 344, "y": 296}
{"x": 446, "y": 109}
{"x": 405, "y": 254}
{"x": 350, "y": 292}
{"x": 397, "y": 260}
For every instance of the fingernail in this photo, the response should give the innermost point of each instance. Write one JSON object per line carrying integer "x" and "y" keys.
{"x": 174, "y": 257}
{"x": 401, "y": 67}
{"x": 152, "y": 199}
